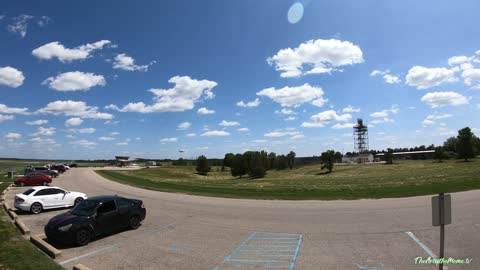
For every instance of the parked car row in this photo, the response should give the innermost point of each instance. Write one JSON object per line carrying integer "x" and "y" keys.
{"x": 89, "y": 218}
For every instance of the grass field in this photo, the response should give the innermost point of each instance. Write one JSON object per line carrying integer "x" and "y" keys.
{"x": 403, "y": 179}
{"x": 15, "y": 251}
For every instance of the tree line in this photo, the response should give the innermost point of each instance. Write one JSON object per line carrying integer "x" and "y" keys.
{"x": 255, "y": 164}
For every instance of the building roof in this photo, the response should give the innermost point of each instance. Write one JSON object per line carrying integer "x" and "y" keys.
{"x": 409, "y": 152}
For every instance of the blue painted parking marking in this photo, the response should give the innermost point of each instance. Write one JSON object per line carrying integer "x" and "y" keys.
{"x": 264, "y": 250}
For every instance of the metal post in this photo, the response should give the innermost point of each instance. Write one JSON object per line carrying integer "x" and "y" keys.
{"x": 442, "y": 229}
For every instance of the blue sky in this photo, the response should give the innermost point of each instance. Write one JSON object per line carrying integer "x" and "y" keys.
{"x": 90, "y": 79}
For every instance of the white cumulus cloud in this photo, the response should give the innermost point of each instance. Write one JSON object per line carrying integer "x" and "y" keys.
{"x": 6, "y": 117}
{"x": 81, "y": 130}
{"x": 441, "y": 99}
{"x": 184, "y": 125}
{"x": 19, "y": 24}
{"x": 12, "y": 136}
{"x": 204, "y": 110}
{"x": 37, "y": 122}
{"x": 44, "y": 131}
{"x": 106, "y": 138}
{"x": 84, "y": 143}
{"x": 250, "y": 104}
{"x": 169, "y": 140}
{"x": 431, "y": 119}
{"x": 57, "y": 50}
{"x": 74, "y": 108}
{"x": 11, "y": 77}
{"x": 350, "y": 109}
{"x": 125, "y": 62}
{"x": 75, "y": 121}
{"x": 244, "y": 129}
{"x": 323, "y": 118}
{"x": 315, "y": 57}
{"x": 75, "y": 81}
{"x": 387, "y": 77}
{"x": 424, "y": 78}
{"x": 215, "y": 133}
{"x": 342, "y": 126}
{"x": 295, "y": 96}
{"x": 229, "y": 123}
{"x": 11, "y": 110}
{"x": 181, "y": 97}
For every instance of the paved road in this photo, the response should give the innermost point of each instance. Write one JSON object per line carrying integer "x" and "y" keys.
{"x": 193, "y": 232}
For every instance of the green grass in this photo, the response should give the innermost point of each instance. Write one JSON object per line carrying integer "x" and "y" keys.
{"x": 403, "y": 179}
{"x": 15, "y": 251}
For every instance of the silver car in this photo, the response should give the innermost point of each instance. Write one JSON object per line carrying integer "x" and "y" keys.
{"x": 42, "y": 169}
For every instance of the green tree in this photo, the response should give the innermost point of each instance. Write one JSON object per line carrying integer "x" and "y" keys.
{"x": 239, "y": 167}
{"x": 281, "y": 162}
{"x": 202, "y": 165}
{"x": 476, "y": 145}
{"x": 440, "y": 154}
{"x": 271, "y": 160}
{"x": 338, "y": 157}
{"x": 389, "y": 156}
{"x": 228, "y": 160}
{"x": 327, "y": 159}
{"x": 450, "y": 144}
{"x": 258, "y": 169}
{"x": 291, "y": 159}
{"x": 465, "y": 148}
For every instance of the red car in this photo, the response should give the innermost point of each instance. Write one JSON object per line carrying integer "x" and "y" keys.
{"x": 34, "y": 179}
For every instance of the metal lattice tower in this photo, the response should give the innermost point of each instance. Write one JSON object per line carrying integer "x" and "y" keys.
{"x": 360, "y": 136}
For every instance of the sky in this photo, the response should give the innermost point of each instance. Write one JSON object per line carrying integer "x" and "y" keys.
{"x": 95, "y": 79}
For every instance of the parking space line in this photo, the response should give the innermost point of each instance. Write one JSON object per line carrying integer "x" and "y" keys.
{"x": 90, "y": 254}
{"x": 423, "y": 246}
{"x": 261, "y": 250}
{"x": 117, "y": 245}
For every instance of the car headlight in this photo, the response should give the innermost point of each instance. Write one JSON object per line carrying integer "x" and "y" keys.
{"x": 65, "y": 228}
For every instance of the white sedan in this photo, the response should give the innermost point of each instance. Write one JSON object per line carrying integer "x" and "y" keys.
{"x": 39, "y": 198}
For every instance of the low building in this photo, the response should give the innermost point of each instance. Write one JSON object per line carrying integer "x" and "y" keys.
{"x": 427, "y": 154}
{"x": 360, "y": 158}
{"x": 124, "y": 161}
{"x": 150, "y": 163}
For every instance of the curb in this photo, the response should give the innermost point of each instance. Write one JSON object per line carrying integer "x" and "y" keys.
{"x": 12, "y": 214}
{"x": 81, "y": 267}
{"x": 45, "y": 247}
{"x": 6, "y": 206}
{"x": 22, "y": 227}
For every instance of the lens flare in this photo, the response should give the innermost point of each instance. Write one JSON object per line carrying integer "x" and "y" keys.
{"x": 295, "y": 13}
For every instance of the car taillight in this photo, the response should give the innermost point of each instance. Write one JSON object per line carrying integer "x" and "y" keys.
{"x": 20, "y": 200}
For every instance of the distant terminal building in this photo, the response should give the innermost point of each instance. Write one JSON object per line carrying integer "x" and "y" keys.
{"x": 150, "y": 163}
{"x": 427, "y": 154}
{"x": 360, "y": 158}
{"x": 123, "y": 161}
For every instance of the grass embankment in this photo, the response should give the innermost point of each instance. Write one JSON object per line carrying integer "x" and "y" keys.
{"x": 403, "y": 179}
{"x": 15, "y": 251}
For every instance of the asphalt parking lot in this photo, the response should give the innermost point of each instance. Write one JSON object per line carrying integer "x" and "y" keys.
{"x": 193, "y": 232}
